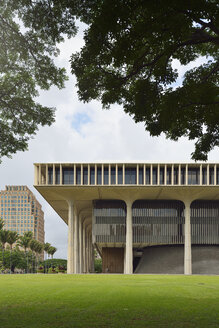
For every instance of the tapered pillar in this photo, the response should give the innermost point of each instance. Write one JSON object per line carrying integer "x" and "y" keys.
{"x": 80, "y": 245}
{"x": 128, "y": 269}
{"x": 84, "y": 248}
{"x": 87, "y": 250}
{"x": 70, "y": 255}
{"x": 187, "y": 245}
{"x": 76, "y": 244}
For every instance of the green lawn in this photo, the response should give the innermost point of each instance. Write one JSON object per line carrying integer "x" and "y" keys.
{"x": 66, "y": 301}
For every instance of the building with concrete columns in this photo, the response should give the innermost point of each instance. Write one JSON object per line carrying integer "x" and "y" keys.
{"x": 140, "y": 217}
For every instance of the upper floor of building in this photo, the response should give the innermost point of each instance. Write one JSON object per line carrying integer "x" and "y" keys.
{"x": 119, "y": 174}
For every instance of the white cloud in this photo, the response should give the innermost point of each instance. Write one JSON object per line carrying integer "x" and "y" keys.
{"x": 103, "y": 135}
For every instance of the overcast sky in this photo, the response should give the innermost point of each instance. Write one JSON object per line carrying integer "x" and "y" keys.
{"x": 85, "y": 132}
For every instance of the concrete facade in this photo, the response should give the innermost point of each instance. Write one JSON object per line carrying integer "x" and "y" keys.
{"x": 77, "y": 192}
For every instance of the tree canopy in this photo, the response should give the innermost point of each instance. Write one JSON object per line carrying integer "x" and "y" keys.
{"x": 127, "y": 59}
{"x": 128, "y": 56}
{"x": 29, "y": 33}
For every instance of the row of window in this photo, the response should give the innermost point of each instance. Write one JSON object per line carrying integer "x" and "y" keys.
{"x": 146, "y": 176}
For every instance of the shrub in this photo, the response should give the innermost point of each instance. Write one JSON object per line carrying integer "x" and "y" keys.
{"x": 40, "y": 269}
{"x": 52, "y": 270}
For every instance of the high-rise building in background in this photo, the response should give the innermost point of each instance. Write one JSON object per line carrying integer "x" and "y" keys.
{"x": 21, "y": 211}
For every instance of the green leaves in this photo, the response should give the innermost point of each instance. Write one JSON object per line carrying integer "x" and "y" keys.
{"x": 29, "y": 33}
{"x": 127, "y": 59}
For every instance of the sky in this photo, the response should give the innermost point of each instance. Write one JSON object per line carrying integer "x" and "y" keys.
{"x": 86, "y": 133}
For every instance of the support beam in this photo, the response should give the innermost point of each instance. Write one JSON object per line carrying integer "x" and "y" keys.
{"x": 128, "y": 269}
{"x": 84, "y": 248}
{"x": 187, "y": 244}
{"x": 70, "y": 256}
{"x": 76, "y": 244}
{"x": 80, "y": 245}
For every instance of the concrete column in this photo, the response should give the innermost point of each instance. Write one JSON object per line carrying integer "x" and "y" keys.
{"x": 186, "y": 182}
{"x": 129, "y": 251}
{"x": 80, "y": 245}
{"x": 179, "y": 175}
{"x": 116, "y": 174}
{"x": 158, "y": 174}
{"x": 36, "y": 180}
{"x": 82, "y": 175}
{"x": 144, "y": 174}
{"x": 76, "y": 244}
{"x": 172, "y": 175}
{"x": 84, "y": 248}
{"x": 137, "y": 175}
{"x": 151, "y": 174}
{"x": 187, "y": 243}
{"x": 123, "y": 174}
{"x": 95, "y": 174}
{"x": 74, "y": 174}
{"x": 109, "y": 174}
{"x": 87, "y": 252}
{"x": 90, "y": 251}
{"x": 60, "y": 174}
{"x": 200, "y": 182}
{"x": 70, "y": 256}
{"x": 215, "y": 174}
{"x": 40, "y": 176}
{"x": 165, "y": 174}
{"x": 93, "y": 259}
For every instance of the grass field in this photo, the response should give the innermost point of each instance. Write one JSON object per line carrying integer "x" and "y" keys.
{"x": 55, "y": 301}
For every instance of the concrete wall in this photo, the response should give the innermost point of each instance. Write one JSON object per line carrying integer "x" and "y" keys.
{"x": 170, "y": 259}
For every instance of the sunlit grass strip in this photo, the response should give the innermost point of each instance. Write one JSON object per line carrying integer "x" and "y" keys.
{"x": 109, "y": 301}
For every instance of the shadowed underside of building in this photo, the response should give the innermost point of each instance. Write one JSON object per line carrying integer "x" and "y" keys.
{"x": 142, "y": 218}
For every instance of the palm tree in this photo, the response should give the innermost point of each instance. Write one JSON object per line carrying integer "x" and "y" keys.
{"x": 52, "y": 251}
{"x": 12, "y": 238}
{"x": 46, "y": 248}
{"x": 3, "y": 239}
{"x": 33, "y": 247}
{"x": 24, "y": 241}
{"x": 39, "y": 249}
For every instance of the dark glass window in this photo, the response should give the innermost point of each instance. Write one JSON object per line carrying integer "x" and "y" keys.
{"x": 176, "y": 175}
{"x": 217, "y": 176}
{"x": 130, "y": 175}
{"x": 92, "y": 175}
{"x": 161, "y": 175}
{"x": 50, "y": 175}
{"x": 113, "y": 175}
{"x": 169, "y": 174}
{"x": 183, "y": 175}
{"x": 140, "y": 175}
{"x": 204, "y": 175}
{"x": 99, "y": 175}
{"x": 154, "y": 175}
{"x": 193, "y": 175}
{"x": 85, "y": 175}
{"x": 211, "y": 175}
{"x": 57, "y": 175}
{"x": 106, "y": 175}
{"x": 78, "y": 175}
{"x": 148, "y": 175}
{"x": 120, "y": 175}
{"x": 67, "y": 175}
